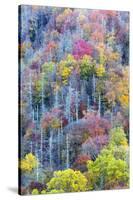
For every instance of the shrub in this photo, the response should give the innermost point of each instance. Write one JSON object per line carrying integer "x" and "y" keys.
{"x": 36, "y": 185}
{"x": 35, "y": 192}
{"x": 68, "y": 181}
{"x": 56, "y": 191}
{"x": 43, "y": 192}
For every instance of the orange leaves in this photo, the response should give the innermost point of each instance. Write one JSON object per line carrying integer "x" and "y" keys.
{"x": 82, "y": 19}
{"x": 113, "y": 56}
{"x": 51, "y": 46}
{"x": 109, "y": 13}
{"x": 52, "y": 119}
{"x": 82, "y": 159}
{"x": 124, "y": 100}
{"x": 62, "y": 17}
{"x": 97, "y": 36}
{"x": 117, "y": 87}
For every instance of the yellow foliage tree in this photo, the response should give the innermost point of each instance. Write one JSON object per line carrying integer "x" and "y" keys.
{"x": 28, "y": 163}
{"x": 102, "y": 53}
{"x": 100, "y": 71}
{"x": 65, "y": 67}
{"x": 117, "y": 87}
{"x": 68, "y": 181}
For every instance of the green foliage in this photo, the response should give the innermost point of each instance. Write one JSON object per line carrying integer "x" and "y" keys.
{"x": 48, "y": 175}
{"x": 118, "y": 145}
{"x": 110, "y": 169}
{"x": 48, "y": 67}
{"x": 70, "y": 61}
{"x": 102, "y": 54}
{"x": 107, "y": 172}
{"x": 118, "y": 137}
{"x": 36, "y": 95}
{"x": 74, "y": 81}
{"x": 100, "y": 86}
{"x": 43, "y": 192}
{"x": 87, "y": 67}
{"x": 35, "y": 192}
{"x": 38, "y": 85}
{"x": 68, "y": 181}
{"x": 56, "y": 191}
{"x": 120, "y": 152}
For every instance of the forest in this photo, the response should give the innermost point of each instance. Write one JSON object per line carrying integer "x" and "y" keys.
{"x": 73, "y": 100}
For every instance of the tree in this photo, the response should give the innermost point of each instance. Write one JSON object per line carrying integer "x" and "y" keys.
{"x": 80, "y": 162}
{"x": 62, "y": 17}
{"x": 107, "y": 172}
{"x": 118, "y": 137}
{"x": 81, "y": 48}
{"x": 96, "y": 124}
{"x": 117, "y": 88}
{"x": 52, "y": 119}
{"x": 28, "y": 163}
{"x": 35, "y": 192}
{"x": 65, "y": 68}
{"x": 110, "y": 169}
{"x": 93, "y": 145}
{"x": 100, "y": 70}
{"x": 68, "y": 181}
{"x": 87, "y": 67}
{"x": 102, "y": 54}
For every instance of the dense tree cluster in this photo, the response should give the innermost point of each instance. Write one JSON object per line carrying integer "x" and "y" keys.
{"x": 74, "y": 99}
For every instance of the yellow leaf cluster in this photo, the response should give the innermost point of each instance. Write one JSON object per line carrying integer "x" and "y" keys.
{"x": 118, "y": 87}
{"x": 67, "y": 12}
{"x": 100, "y": 71}
{"x": 63, "y": 16}
{"x": 65, "y": 73}
{"x": 65, "y": 67}
{"x": 55, "y": 123}
{"x": 68, "y": 180}
{"x": 28, "y": 163}
{"x": 81, "y": 19}
{"x": 124, "y": 143}
{"x": 113, "y": 56}
{"x": 124, "y": 100}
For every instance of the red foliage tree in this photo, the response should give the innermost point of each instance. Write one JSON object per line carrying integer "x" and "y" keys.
{"x": 81, "y": 48}
{"x": 81, "y": 162}
{"x": 96, "y": 124}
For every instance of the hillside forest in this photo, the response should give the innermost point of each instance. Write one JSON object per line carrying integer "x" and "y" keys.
{"x": 73, "y": 100}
